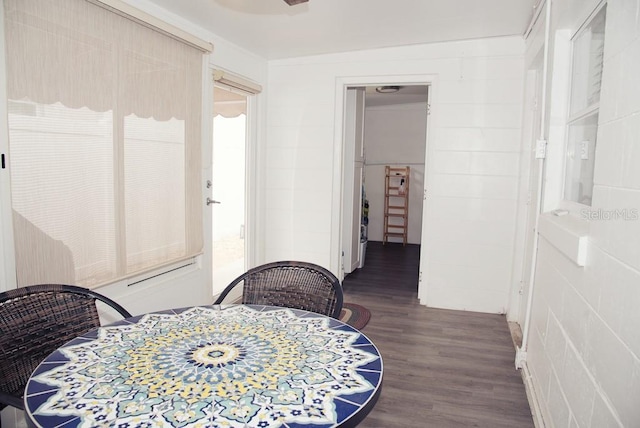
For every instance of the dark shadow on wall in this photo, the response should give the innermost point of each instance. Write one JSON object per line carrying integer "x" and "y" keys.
{"x": 40, "y": 259}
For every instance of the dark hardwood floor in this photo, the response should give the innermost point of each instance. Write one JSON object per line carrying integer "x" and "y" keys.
{"x": 442, "y": 368}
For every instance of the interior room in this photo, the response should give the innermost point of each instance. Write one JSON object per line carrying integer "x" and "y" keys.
{"x": 394, "y": 129}
{"x": 508, "y": 298}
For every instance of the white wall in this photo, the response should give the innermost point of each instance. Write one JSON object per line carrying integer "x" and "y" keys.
{"x": 395, "y": 135}
{"x": 584, "y": 351}
{"x": 471, "y": 175}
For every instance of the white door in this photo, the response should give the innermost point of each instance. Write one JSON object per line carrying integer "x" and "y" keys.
{"x": 228, "y": 186}
{"x": 425, "y": 248}
{"x": 354, "y": 174}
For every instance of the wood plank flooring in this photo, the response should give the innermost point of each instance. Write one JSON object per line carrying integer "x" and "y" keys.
{"x": 442, "y": 368}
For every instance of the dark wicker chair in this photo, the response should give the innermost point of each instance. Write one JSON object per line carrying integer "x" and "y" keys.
{"x": 34, "y": 322}
{"x": 291, "y": 284}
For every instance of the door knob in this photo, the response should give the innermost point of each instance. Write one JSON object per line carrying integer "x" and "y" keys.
{"x": 211, "y": 201}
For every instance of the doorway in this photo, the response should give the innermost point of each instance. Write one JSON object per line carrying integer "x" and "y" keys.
{"x": 393, "y": 133}
{"x": 531, "y": 186}
{"x": 228, "y": 186}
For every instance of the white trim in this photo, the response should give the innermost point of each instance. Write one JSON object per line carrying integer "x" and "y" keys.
{"x": 406, "y": 106}
{"x": 534, "y": 19}
{"x": 150, "y": 21}
{"x": 532, "y": 396}
{"x": 588, "y": 111}
{"x": 7, "y": 253}
{"x": 342, "y": 82}
{"x": 539, "y": 195}
{"x": 233, "y": 81}
{"x": 585, "y": 23}
{"x": 573, "y": 206}
{"x": 206, "y": 259}
{"x": 251, "y": 187}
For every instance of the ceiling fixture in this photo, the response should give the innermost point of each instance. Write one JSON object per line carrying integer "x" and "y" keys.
{"x": 295, "y": 2}
{"x": 387, "y": 89}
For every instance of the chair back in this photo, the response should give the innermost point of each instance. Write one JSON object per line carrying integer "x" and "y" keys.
{"x": 34, "y": 322}
{"x": 291, "y": 284}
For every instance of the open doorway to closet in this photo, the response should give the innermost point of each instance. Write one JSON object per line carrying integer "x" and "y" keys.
{"x": 384, "y": 126}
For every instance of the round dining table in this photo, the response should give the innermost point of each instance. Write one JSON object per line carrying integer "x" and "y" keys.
{"x": 210, "y": 366}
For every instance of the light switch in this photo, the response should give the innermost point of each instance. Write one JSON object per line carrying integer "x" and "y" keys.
{"x": 541, "y": 149}
{"x": 584, "y": 150}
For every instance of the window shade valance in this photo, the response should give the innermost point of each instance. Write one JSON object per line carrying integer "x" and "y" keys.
{"x": 82, "y": 54}
{"x": 228, "y": 104}
{"x": 143, "y": 18}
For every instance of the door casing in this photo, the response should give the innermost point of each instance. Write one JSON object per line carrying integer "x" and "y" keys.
{"x": 337, "y": 220}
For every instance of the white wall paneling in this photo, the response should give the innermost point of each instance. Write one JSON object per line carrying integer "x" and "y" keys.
{"x": 473, "y": 131}
{"x": 395, "y": 135}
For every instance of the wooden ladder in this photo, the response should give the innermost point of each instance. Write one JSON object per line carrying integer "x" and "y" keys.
{"x": 396, "y": 203}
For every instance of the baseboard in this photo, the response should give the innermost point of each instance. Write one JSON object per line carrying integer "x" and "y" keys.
{"x": 532, "y": 396}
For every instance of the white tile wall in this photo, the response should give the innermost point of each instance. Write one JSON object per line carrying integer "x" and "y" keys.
{"x": 472, "y": 175}
{"x": 477, "y": 139}
{"x": 557, "y": 405}
{"x": 578, "y": 387}
{"x": 489, "y": 116}
{"x": 585, "y": 349}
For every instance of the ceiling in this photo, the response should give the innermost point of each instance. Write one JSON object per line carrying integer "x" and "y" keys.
{"x": 274, "y": 30}
{"x": 405, "y": 95}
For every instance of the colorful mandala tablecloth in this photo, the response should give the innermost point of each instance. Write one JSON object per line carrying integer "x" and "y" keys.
{"x": 230, "y": 366}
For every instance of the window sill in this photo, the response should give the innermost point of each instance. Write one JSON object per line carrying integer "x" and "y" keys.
{"x": 567, "y": 233}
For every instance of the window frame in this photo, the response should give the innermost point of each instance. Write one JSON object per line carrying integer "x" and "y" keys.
{"x": 580, "y": 115}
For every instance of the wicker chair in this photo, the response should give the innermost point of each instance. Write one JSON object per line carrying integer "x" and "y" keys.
{"x": 34, "y": 322}
{"x": 292, "y": 284}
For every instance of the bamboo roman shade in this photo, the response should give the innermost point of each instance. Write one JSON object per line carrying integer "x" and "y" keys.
{"x": 105, "y": 141}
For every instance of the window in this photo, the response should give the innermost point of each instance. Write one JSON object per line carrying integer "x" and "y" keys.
{"x": 586, "y": 80}
{"x": 105, "y": 139}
